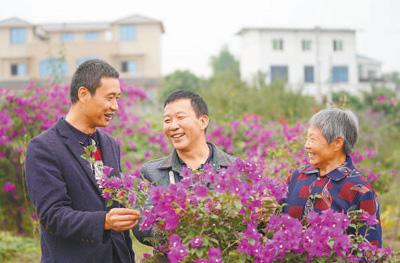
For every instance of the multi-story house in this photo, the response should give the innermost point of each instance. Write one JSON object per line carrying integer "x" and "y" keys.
{"x": 39, "y": 51}
{"x": 319, "y": 61}
{"x": 369, "y": 69}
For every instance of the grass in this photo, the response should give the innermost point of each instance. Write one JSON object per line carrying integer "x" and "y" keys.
{"x": 18, "y": 249}
{"x": 25, "y": 249}
{"x": 140, "y": 249}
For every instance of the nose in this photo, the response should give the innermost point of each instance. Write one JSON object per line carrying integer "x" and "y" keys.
{"x": 173, "y": 125}
{"x": 114, "y": 105}
{"x": 307, "y": 144}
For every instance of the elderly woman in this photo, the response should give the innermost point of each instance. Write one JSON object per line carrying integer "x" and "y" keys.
{"x": 331, "y": 174}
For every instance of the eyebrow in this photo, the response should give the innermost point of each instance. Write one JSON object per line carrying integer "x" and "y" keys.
{"x": 114, "y": 94}
{"x": 179, "y": 112}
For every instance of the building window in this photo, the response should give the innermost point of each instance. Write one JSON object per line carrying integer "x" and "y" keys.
{"x": 129, "y": 67}
{"x": 91, "y": 36}
{"x": 340, "y": 74}
{"x": 53, "y": 67}
{"x": 277, "y": 44}
{"x": 127, "y": 33}
{"x": 371, "y": 74}
{"x": 309, "y": 74}
{"x": 306, "y": 45}
{"x": 337, "y": 45}
{"x": 279, "y": 73}
{"x": 67, "y": 37}
{"x": 17, "y": 35}
{"x": 18, "y": 69}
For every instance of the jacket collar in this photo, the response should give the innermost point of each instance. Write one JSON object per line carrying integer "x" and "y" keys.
{"x": 75, "y": 148}
{"x": 337, "y": 174}
{"x": 220, "y": 159}
{"x": 107, "y": 153}
{"x": 83, "y": 138}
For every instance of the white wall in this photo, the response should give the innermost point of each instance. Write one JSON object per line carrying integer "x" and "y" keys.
{"x": 257, "y": 54}
{"x": 365, "y": 65}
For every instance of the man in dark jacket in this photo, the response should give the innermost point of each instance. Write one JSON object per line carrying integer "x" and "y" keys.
{"x": 185, "y": 123}
{"x": 75, "y": 225}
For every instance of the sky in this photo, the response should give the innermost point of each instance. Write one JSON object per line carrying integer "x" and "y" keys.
{"x": 197, "y": 30}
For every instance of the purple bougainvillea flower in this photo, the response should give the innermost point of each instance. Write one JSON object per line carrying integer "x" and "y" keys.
{"x": 196, "y": 242}
{"x": 368, "y": 218}
{"x": 107, "y": 170}
{"x": 132, "y": 199}
{"x": 174, "y": 240}
{"x": 200, "y": 190}
{"x": 177, "y": 251}
{"x": 107, "y": 195}
{"x": 177, "y": 254}
{"x": 214, "y": 255}
{"x": 9, "y": 187}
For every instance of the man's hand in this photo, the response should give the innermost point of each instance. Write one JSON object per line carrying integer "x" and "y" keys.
{"x": 121, "y": 219}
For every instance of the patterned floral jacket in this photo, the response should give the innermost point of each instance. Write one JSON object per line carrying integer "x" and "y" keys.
{"x": 342, "y": 190}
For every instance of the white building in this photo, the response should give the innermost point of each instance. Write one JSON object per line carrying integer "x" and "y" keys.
{"x": 369, "y": 69}
{"x": 319, "y": 61}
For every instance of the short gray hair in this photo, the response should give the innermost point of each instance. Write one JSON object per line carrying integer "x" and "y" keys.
{"x": 335, "y": 123}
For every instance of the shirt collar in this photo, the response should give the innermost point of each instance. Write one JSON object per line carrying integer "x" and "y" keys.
{"x": 337, "y": 174}
{"x": 172, "y": 159}
{"x": 83, "y": 138}
{"x": 179, "y": 163}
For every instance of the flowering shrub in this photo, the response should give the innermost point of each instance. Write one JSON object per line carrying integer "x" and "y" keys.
{"x": 275, "y": 149}
{"x": 228, "y": 216}
{"x": 216, "y": 216}
{"x": 26, "y": 114}
{"x": 280, "y": 147}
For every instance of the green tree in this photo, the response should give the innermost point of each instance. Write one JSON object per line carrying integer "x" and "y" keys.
{"x": 225, "y": 64}
{"x": 344, "y": 99}
{"x": 180, "y": 79}
{"x": 394, "y": 77}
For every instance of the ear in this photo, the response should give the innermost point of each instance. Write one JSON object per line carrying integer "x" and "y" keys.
{"x": 204, "y": 120}
{"x": 83, "y": 94}
{"x": 338, "y": 144}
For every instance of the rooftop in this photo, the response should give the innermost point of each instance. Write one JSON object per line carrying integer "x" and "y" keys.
{"x": 82, "y": 26}
{"x": 289, "y": 29}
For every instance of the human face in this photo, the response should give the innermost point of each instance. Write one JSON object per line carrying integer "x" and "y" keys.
{"x": 320, "y": 153}
{"x": 182, "y": 127}
{"x": 100, "y": 108}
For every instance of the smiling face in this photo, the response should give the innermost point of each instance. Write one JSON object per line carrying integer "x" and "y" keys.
{"x": 99, "y": 109}
{"x": 320, "y": 153}
{"x": 182, "y": 127}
